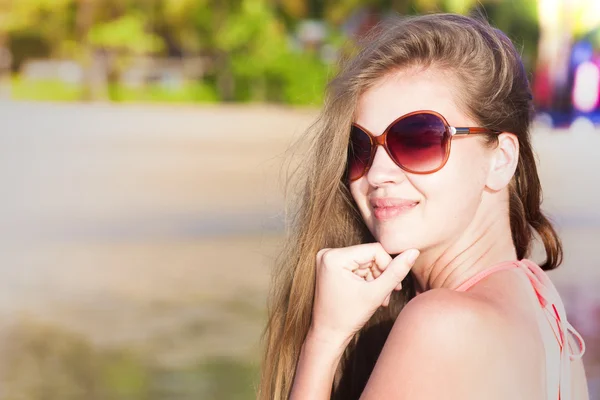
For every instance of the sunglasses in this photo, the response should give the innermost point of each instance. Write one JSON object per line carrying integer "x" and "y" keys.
{"x": 418, "y": 142}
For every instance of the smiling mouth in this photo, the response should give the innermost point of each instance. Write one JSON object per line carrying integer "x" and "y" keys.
{"x": 384, "y": 213}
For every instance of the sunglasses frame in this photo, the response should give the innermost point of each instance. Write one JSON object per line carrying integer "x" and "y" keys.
{"x": 450, "y": 132}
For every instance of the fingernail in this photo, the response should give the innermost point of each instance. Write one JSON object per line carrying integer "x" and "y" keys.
{"x": 412, "y": 255}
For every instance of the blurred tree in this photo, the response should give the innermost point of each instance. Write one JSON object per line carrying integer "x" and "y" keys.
{"x": 247, "y": 41}
{"x": 295, "y": 8}
{"x": 254, "y": 40}
{"x": 519, "y": 20}
{"x": 250, "y": 43}
{"x": 115, "y": 41}
{"x": 50, "y": 19}
{"x": 36, "y": 27}
{"x": 339, "y": 11}
{"x": 110, "y": 32}
{"x": 194, "y": 27}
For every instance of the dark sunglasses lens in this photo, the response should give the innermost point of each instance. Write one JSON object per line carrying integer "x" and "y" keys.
{"x": 418, "y": 142}
{"x": 359, "y": 153}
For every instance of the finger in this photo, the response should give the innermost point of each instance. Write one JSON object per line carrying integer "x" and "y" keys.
{"x": 399, "y": 287}
{"x": 379, "y": 259}
{"x": 353, "y": 257}
{"x": 381, "y": 262}
{"x": 376, "y": 270}
{"x": 370, "y": 276}
{"x": 361, "y": 272}
{"x": 372, "y": 268}
{"x": 396, "y": 271}
{"x": 364, "y": 266}
{"x": 386, "y": 302}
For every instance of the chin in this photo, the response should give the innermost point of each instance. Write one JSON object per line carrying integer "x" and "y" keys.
{"x": 396, "y": 244}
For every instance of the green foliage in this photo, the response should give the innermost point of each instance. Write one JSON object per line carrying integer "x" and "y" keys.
{"x": 126, "y": 33}
{"x": 24, "y": 45}
{"x": 189, "y": 92}
{"x": 264, "y": 66}
{"x": 459, "y": 6}
{"x": 44, "y": 90}
{"x": 305, "y": 78}
{"x": 56, "y": 90}
{"x": 519, "y": 20}
{"x": 23, "y": 15}
{"x": 248, "y": 42}
{"x": 255, "y": 43}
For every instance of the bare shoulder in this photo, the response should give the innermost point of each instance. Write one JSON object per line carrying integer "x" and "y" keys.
{"x": 457, "y": 312}
{"x": 452, "y": 345}
{"x": 444, "y": 317}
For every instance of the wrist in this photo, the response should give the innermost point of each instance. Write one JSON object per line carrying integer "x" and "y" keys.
{"x": 327, "y": 341}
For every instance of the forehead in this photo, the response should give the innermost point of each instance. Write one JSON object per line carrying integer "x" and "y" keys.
{"x": 403, "y": 92}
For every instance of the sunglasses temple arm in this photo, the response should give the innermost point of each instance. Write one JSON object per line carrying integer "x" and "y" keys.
{"x": 459, "y": 131}
{"x": 454, "y": 130}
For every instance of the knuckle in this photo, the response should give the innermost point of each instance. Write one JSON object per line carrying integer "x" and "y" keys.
{"x": 320, "y": 255}
{"x": 380, "y": 254}
{"x": 327, "y": 257}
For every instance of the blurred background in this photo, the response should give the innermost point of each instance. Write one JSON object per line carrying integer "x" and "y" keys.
{"x": 143, "y": 152}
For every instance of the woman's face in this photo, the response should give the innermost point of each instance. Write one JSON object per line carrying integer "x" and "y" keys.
{"x": 447, "y": 200}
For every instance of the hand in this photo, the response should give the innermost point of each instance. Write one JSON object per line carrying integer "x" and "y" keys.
{"x": 345, "y": 296}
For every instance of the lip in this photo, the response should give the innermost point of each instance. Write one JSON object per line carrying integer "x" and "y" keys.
{"x": 386, "y": 208}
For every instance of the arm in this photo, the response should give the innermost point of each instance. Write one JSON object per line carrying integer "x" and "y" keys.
{"x": 316, "y": 367}
{"x": 343, "y": 303}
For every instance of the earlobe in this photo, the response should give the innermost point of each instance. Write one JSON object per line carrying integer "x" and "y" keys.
{"x": 503, "y": 161}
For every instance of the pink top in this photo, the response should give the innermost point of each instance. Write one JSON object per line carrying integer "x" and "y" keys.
{"x": 554, "y": 311}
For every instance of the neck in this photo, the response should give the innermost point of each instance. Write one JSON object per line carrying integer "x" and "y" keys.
{"x": 478, "y": 248}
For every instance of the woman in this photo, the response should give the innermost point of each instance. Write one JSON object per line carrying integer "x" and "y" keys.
{"x": 422, "y": 151}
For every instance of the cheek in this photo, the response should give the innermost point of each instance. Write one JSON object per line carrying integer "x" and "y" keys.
{"x": 454, "y": 192}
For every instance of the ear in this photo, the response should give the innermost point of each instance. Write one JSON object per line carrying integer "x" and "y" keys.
{"x": 503, "y": 161}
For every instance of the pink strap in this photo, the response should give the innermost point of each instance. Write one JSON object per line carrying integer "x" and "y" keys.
{"x": 555, "y": 312}
{"x": 463, "y": 287}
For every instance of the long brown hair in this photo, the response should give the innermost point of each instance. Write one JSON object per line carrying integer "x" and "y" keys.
{"x": 494, "y": 91}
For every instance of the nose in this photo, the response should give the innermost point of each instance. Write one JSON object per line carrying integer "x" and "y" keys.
{"x": 383, "y": 169}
